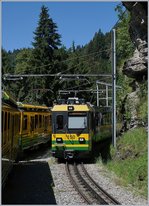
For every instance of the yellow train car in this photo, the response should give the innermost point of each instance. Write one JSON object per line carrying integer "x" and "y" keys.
{"x": 35, "y": 125}
{"x": 24, "y": 126}
{"x": 72, "y": 129}
{"x": 10, "y": 133}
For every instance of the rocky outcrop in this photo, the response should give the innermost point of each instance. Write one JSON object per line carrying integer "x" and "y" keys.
{"x": 136, "y": 67}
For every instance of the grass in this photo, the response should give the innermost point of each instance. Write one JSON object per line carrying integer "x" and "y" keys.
{"x": 129, "y": 160}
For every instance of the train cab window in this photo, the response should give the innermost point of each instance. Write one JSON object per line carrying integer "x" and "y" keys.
{"x": 59, "y": 121}
{"x": 25, "y": 123}
{"x": 77, "y": 121}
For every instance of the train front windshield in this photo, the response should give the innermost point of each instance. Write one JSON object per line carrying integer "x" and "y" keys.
{"x": 77, "y": 120}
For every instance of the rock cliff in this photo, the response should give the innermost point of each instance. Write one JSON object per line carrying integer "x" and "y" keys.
{"x": 137, "y": 66}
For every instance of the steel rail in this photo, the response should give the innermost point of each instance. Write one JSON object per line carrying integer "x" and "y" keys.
{"x": 108, "y": 196}
{"x": 91, "y": 191}
{"x": 99, "y": 199}
{"x": 75, "y": 185}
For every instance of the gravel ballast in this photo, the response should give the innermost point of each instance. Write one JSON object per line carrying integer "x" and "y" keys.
{"x": 65, "y": 194}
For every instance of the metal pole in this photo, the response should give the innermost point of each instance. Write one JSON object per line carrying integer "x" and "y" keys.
{"x": 97, "y": 95}
{"x": 114, "y": 88}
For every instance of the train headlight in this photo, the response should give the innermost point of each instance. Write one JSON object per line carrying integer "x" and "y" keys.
{"x": 81, "y": 140}
{"x": 59, "y": 140}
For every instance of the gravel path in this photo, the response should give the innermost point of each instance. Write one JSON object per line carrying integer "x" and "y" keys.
{"x": 66, "y": 195}
{"x": 64, "y": 192}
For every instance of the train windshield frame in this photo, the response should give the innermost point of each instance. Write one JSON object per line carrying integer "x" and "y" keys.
{"x": 77, "y": 120}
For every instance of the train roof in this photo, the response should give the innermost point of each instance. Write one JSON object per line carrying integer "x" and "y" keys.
{"x": 7, "y": 99}
{"x": 31, "y": 107}
{"x": 72, "y": 107}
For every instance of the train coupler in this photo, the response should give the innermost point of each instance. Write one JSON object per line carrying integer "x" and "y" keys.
{"x": 68, "y": 155}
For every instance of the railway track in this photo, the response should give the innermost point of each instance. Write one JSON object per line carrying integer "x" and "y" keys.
{"x": 90, "y": 191}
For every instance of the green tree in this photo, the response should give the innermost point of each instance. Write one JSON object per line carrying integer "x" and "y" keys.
{"x": 46, "y": 41}
{"x": 5, "y": 62}
{"x": 124, "y": 45}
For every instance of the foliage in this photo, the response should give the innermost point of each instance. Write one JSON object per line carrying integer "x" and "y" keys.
{"x": 129, "y": 160}
{"x": 124, "y": 45}
{"x": 46, "y": 41}
{"x": 143, "y": 106}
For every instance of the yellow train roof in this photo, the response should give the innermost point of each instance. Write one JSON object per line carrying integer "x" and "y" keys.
{"x": 7, "y": 98}
{"x": 65, "y": 107}
{"x": 30, "y": 106}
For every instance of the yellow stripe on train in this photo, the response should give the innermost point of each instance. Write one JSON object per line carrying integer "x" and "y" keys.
{"x": 70, "y": 136}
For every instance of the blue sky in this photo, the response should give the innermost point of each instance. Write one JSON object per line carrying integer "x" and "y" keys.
{"x": 76, "y": 21}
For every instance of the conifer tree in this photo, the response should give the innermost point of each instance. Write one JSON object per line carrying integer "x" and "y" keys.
{"x": 46, "y": 41}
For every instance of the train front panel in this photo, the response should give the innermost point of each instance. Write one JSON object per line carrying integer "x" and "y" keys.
{"x": 71, "y": 131}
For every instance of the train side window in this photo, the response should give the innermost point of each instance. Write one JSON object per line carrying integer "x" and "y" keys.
{"x": 19, "y": 122}
{"x": 2, "y": 121}
{"x": 8, "y": 121}
{"x": 40, "y": 121}
{"x": 5, "y": 126}
{"x": 50, "y": 120}
{"x": 36, "y": 121}
{"x": 16, "y": 122}
{"x": 45, "y": 122}
{"x": 59, "y": 121}
{"x": 2, "y": 127}
{"x": 32, "y": 124}
{"x": 9, "y": 124}
{"x": 25, "y": 123}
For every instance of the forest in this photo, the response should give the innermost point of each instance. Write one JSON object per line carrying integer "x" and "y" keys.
{"x": 49, "y": 56}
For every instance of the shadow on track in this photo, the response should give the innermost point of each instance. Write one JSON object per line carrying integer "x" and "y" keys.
{"x": 29, "y": 183}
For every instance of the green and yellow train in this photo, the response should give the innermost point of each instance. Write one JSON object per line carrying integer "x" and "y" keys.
{"x": 24, "y": 126}
{"x": 72, "y": 129}
{"x": 76, "y": 125}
